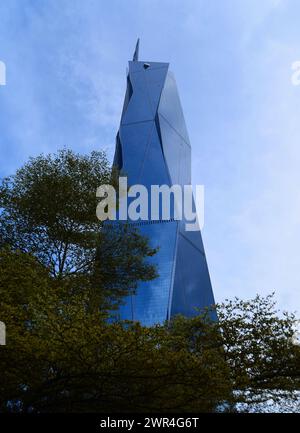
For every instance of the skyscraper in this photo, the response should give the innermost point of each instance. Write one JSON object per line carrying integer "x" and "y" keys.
{"x": 153, "y": 148}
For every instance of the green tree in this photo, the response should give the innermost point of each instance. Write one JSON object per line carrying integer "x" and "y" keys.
{"x": 259, "y": 348}
{"x": 48, "y": 209}
{"x": 261, "y": 351}
{"x": 62, "y": 273}
{"x": 62, "y": 356}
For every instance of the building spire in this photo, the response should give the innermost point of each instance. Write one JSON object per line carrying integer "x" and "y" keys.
{"x": 136, "y": 51}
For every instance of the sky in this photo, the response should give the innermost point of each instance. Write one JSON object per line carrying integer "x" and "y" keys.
{"x": 65, "y": 81}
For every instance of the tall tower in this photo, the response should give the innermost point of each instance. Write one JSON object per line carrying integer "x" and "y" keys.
{"x": 153, "y": 148}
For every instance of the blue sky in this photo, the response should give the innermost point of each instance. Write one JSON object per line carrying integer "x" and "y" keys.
{"x": 66, "y": 63}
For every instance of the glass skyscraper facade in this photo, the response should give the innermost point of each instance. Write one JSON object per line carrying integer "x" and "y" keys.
{"x": 153, "y": 148}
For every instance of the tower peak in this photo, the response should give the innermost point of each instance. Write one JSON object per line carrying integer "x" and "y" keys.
{"x": 136, "y": 51}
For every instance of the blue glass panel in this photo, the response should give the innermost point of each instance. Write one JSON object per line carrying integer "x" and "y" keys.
{"x": 170, "y": 107}
{"x": 150, "y": 305}
{"x": 139, "y": 108}
{"x": 118, "y": 158}
{"x": 194, "y": 237}
{"x": 192, "y": 286}
{"x": 135, "y": 140}
{"x": 185, "y": 164}
{"x": 127, "y": 95}
{"x": 139, "y": 66}
{"x": 171, "y": 143}
{"x": 156, "y": 151}
{"x": 154, "y": 170}
{"x": 155, "y": 79}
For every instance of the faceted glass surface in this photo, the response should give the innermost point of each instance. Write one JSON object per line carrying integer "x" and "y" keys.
{"x": 154, "y": 149}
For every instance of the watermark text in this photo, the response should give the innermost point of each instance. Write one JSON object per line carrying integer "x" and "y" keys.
{"x": 2, "y": 73}
{"x": 154, "y": 203}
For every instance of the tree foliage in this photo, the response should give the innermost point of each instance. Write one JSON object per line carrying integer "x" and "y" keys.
{"x": 62, "y": 356}
{"x": 62, "y": 275}
{"x": 48, "y": 209}
{"x": 261, "y": 349}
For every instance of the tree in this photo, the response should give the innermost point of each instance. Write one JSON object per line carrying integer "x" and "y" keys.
{"x": 61, "y": 275}
{"x": 22, "y": 279}
{"x": 48, "y": 209}
{"x": 258, "y": 346}
{"x": 62, "y": 356}
{"x": 261, "y": 351}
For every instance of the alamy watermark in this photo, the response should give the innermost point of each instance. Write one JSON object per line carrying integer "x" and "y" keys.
{"x": 2, "y": 74}
{"x": 2, "y": 334}
{"x": 157, "y": 203}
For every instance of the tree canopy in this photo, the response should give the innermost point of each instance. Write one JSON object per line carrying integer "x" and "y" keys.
{"x": 62, "y": 277}
{"x": 48, "y": 209}
{"x": 62, "y": 356}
